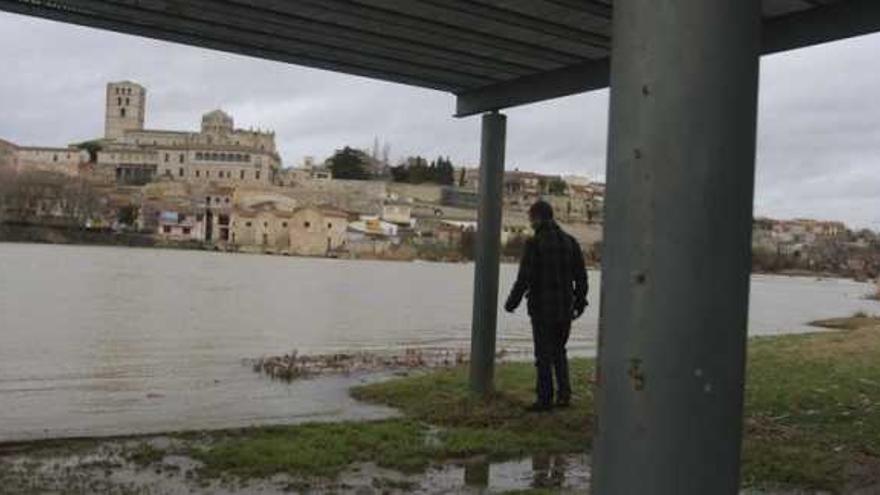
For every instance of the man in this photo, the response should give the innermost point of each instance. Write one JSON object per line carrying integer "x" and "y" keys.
{"x": 553, "y": 278}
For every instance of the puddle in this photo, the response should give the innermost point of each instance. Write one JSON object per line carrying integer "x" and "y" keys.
{"x": 160, "y": 465}
{"x": 140, "y": 467}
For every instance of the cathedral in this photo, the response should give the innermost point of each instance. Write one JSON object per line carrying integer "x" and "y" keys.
{"x": 218, "y": 154}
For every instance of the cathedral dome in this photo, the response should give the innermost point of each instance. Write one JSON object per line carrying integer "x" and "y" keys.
{"x": 217, "y": 122}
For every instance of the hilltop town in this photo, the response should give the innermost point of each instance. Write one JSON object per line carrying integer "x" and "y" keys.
{"x": 227, "y": 189}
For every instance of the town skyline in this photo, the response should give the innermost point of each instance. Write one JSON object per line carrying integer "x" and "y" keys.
{"x": 815, "y": 158}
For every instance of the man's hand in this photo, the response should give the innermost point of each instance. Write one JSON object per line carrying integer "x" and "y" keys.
{"x": 510, "y": 306}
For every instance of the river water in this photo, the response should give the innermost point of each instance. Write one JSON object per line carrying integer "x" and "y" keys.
{"x": 100, "y": 341}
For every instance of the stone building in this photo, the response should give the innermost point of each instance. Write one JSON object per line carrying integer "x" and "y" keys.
{"x": 306, "y": 231}
{"x": 218, "y": 154}
{"x": 262, "y": 228}
{"x": 318, "y": 231}
{"x": 8, "y": 155}
{"x": 66, "y": 161}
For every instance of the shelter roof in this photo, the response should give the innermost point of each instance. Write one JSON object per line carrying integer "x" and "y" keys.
{"x": 490, "y": 53}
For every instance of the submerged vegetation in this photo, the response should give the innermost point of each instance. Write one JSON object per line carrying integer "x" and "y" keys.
{"x": 812, "y": 422}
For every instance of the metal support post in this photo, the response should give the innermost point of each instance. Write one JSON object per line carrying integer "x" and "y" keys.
{"x": 684, "y": 86}
{"x": 487, "y": 253}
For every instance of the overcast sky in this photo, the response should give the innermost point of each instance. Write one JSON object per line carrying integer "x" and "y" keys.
{"x": 818, "y": 132}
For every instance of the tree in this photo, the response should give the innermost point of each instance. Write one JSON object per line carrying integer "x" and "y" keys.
{"x": 557, "y": 187}
{"x": 444, "y": 172}
{"x": 417, "y": 170}
{"x": 34, "y": 197}
{"x": 349, "y": 163}
{"x": 93, "y": 147}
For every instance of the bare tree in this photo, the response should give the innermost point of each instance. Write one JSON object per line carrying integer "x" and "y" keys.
{"x": 37, "y": 197}
{"x": 386, "y": 154}
{"x": 376, "y": 149}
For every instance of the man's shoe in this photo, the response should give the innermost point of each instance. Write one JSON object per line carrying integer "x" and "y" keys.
{"x": 539, "y": 407}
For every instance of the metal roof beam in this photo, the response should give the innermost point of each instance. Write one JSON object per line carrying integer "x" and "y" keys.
{"x": 567, "y": 81}
{"x": 833, "y": 22}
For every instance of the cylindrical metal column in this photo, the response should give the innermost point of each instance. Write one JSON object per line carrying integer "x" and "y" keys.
{"x": 684, "y": 86}
{"x": 487, "y": 253}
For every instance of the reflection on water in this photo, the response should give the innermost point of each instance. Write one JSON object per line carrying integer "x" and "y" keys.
{"x": 543, "y": 470}
{"x": 100, "y": 340}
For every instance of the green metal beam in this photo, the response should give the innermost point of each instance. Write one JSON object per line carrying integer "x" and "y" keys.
{"x": 811, "y": 27}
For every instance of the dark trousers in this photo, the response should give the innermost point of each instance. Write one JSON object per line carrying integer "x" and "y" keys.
{"x": 550, "y": 359}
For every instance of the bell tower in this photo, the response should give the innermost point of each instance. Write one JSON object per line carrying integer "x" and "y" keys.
{"x": 125, "y": 108}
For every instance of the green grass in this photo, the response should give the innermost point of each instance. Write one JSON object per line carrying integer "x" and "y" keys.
{"x": 317, "y": 450}
{"x": 812, "y": 421}
{"x": 812, "y": 409}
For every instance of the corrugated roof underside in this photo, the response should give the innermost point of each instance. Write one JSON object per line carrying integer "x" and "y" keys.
{"x": 451, "y": 45}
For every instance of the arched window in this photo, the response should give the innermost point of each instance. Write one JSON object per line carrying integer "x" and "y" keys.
{"x": 119, "y": 100}
{"x": 127, "y": 102}
{"x": 122, "y": 112}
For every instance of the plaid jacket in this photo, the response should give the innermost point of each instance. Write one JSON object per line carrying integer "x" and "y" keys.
{"x": 552, "y": 276}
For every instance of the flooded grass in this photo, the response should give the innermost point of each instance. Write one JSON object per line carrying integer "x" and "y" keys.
{"x": 812, "y": 426}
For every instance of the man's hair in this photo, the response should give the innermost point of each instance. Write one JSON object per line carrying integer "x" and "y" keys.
{"x": 541, "y": 210}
